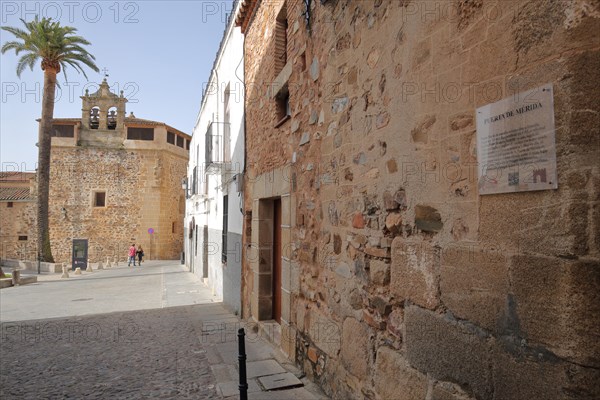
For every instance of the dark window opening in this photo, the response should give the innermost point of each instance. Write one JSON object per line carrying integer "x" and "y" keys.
{"x": 187, "y": 144}
{"x": 281, "y": 39}
{"x": 63, "y": 131}
{"x": 179, "y": 141}
{"x": 140, "y": 134}
{"x": 172, "y": 227}
{"x": 22, "y": 237}
{"x": 284, "y": 111}
{"x": 10, "y": 204}
{"x": 170, "y": 137}
{"x": 224, "y": 237}
{"x": 99, "y": 199}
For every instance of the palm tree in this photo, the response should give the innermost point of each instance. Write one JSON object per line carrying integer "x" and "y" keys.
{"x": 57, "y": 47}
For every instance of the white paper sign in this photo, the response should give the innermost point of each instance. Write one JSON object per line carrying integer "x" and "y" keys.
{"x": 516, "y": 148}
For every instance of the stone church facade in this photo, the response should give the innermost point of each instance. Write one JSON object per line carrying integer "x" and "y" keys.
{"x": 114, "y": 179}
{"x": 370, "y": 257}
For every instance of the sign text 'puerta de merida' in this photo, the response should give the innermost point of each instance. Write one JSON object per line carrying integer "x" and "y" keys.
{"x": 516, "y": 149}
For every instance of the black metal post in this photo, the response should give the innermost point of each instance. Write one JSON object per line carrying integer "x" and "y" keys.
{"x": 242, "y": 358}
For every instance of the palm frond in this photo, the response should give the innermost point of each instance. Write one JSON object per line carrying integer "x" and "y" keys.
{"x": 27, "y": 60}
{"x": 13, "y": 45}
{"x": 53, "y": 43}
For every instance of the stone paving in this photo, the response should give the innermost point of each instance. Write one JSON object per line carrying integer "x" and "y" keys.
{"x": 141, "y": 354}
{"x": 157, "y": 284}
{"x": 161, "y": 349}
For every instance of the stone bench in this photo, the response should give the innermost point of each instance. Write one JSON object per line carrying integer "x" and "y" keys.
{"x": 5, "y": 282}
{"x": 33, "y": 265}
{"x": 17, "y": 279}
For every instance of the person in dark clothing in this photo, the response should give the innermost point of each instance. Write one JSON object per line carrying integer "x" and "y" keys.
{"x": 140, "y": 254}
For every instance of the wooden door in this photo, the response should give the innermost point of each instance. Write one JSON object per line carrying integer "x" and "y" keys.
{"x": 277, "y": 260}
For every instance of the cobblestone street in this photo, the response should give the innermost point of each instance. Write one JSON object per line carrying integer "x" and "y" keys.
{"x": 123, "y": 333}
{"x": 140, "y": 354}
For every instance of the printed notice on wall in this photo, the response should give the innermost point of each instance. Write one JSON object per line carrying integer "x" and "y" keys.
{"x": 516, "y": 150}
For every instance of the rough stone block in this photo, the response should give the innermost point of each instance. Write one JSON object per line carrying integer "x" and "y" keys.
{"x": 524, "y": 378}
{"x": 562, "y": 231}
{"x": 355, "y": 348}
{"x": 379, "y": 272}
{"x": 558, "y": 305}
{"x": 6, "y": 282}
{"x": 474, "y": 285}
{"x": 25, "y": 280}
{"x": 325, "y": 333}
{"x": 414, "y": 272}
{"x": 395, "y": 379}
{"x": 447, "y": 350}
{"x": 373, "y": 320}
{"x": 377, "y": 252}
{"x": 288, "y": 340}
{"x": 428, "y": 219}
{"x": 583, "y": 312}
{"x": 448, "y": 391}
{"x": 395, "y": 322}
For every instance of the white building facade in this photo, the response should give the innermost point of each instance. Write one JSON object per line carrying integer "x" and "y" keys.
{"x": 213, "y": 218}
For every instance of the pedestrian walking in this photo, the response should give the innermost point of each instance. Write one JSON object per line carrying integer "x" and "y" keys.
{"x": 131, "y": 255}
{"x": 140, "y": 254}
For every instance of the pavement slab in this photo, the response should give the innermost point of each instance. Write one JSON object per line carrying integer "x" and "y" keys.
{"x": 280, "y": 381}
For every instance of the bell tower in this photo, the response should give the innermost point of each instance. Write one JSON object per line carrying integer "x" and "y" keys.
{"x": 103, "y": 116}
{"x": 103, "y": 109}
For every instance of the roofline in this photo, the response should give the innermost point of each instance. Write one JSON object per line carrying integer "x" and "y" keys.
{"x": 147, "y": 122}
{"x": 231, "y": 25}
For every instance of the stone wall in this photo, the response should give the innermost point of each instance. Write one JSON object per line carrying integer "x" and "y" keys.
{"x": 143, "y": 190}
{"x": 18, "y": 221}
{"x": 410, "y": 284}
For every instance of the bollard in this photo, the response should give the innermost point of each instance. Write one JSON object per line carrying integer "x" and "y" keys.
{"x": 65, "y": 273}
{"x": 108, "y": 262}
{"x": 16, "y": 277}
{"x": 89, "y": 267}
{"x": 100, "y": 266}
{"x": 116, "y": 261}
{"x": 243, "y": 386}
{"x": 77, "y": 271}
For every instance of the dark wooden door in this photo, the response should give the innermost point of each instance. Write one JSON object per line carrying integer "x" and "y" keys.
{"x": 277, "y": 260}
{"x": 80, "y": 254}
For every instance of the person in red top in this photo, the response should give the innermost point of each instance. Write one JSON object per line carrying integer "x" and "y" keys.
{"x": 131, "y": 255}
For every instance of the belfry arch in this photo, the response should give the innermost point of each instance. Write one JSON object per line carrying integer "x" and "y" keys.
{"x": 103, "y": 110}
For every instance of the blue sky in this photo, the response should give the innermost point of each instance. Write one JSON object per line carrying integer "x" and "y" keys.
{"x": 159, "y": 53}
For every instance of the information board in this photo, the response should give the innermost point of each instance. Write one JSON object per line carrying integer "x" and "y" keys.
{"x": 516, "y": 148}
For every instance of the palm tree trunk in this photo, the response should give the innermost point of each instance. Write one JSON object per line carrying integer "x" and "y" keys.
{"x": 43, "y": 172}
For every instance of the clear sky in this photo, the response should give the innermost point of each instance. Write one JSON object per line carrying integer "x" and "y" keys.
{"x": 159, "y": 53}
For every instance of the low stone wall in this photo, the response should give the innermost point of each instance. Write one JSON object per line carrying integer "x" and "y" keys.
{"x": 33, "y": 265}
{"x": 6, "y": 282}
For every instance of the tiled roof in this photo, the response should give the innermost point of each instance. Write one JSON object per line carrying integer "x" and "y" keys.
{"x": 13, "y": 193}
{"x": 15, "y": 176}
